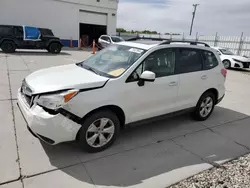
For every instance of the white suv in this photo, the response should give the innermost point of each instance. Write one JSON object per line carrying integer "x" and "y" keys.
{"x": 131, "y": 81}
{"x": 106, "y": 40}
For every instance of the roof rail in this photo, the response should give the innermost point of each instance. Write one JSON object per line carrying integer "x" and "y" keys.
{"x": 146, "y": 38}
{"x": 185, "y": 41}
{"x": 168, "y": 41}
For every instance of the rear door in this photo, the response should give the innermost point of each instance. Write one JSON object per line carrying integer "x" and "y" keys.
{"x": 18, "y": 32}
{"x": 189, "y": 66}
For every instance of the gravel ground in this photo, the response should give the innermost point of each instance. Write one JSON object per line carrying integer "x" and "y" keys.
{"x": 235, "y": 174}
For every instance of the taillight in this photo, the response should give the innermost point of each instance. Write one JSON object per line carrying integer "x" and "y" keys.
{"x": 224, "y": 72}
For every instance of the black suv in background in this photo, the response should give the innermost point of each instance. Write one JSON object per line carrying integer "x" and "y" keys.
{"x": 14, "y": 37}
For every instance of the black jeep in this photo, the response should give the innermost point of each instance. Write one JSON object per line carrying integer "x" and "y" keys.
{"x": 25, "y": 37}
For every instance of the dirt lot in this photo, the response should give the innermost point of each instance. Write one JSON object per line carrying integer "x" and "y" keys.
{"x": 153, "y": 155}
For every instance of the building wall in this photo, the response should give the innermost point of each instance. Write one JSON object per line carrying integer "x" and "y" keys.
{"x": 62, "y": 16}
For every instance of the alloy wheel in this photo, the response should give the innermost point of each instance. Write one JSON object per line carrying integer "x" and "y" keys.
{"x": 206, "y": 106}
{"x": 100, "y": 132}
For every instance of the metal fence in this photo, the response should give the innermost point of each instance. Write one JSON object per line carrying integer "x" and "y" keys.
{"x": 239, "y": 45}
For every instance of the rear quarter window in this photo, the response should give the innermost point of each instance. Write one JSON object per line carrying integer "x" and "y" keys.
{"x": 209, "y": 60}
{"x": 6, "y": 30}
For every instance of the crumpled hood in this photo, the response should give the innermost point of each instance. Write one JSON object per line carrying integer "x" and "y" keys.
{"x": 240, "y": 58}
{"x": 63, "y": 77}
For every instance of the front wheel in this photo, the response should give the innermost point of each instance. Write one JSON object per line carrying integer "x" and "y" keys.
{"x": 227, "y": 64}
{"x": 99, "y": 131}
{"x": 55, "y": 48}
{"x": 205, "y": 106}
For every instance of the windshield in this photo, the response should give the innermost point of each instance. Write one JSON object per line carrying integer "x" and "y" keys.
{"x": 112, "y": 61}
{"x": 226, "y": 52}
{"x": 117, "y": 39}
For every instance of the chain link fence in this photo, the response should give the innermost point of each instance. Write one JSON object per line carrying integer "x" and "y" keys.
{"x": 239, "y": 45}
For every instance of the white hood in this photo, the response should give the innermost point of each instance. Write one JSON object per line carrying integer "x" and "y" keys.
{"x": 63, "y": 77}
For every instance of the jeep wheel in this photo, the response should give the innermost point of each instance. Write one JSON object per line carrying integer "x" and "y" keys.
{"x": 99, "y": 131}
{"x": 8, "y": 47}
{"x": 55, "y": 48}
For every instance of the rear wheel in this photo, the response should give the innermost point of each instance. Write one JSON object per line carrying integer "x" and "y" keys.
{"x": 99, "y": 131}
{"x": 227, "y": 64}
{"x": 205, "y": 106}
{"x": 55, "y": 48}
{"x": 8, "y": 47}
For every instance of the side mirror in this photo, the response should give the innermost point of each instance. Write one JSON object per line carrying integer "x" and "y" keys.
{"x": 218, "y": 53}
{"x": 146, "y": 76}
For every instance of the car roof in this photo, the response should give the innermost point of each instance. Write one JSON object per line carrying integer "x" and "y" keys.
{"x": 147, "y": 44}
{"x": 137, "y": 44}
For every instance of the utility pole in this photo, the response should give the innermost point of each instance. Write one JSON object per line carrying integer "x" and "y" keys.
{"x": 191, "y": 28}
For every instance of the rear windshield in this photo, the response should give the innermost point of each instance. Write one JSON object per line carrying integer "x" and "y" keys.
{"x": 46, "y": 32}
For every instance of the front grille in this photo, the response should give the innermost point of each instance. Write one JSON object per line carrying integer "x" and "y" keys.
{"x": 246, "y": 64}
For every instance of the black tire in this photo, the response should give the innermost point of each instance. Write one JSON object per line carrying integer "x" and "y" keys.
{"x": 94, "y": 118}
{"x": 8, "y": 47}
{"x": 197, "y": 114}
{"x": 55, "y": 48}
{"x": 227, "y": 64}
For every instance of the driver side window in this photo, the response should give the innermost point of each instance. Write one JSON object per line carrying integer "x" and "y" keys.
{"x": 161, "y": 62}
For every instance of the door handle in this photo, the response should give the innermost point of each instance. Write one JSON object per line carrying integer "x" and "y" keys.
{"x": 173, "y": 84}
{"x": 204, "y": 77}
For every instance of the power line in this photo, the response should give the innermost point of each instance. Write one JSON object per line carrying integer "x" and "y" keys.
{"x": 191, "y": 28}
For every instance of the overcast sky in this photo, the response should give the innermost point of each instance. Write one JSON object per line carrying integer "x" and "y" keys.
{"x": 228, "y": 17}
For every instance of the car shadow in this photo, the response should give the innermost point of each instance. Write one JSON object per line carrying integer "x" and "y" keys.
{"x": 39, "y": 53}
{"x": 240, "y": 70}
{"x": 161, "y": 152}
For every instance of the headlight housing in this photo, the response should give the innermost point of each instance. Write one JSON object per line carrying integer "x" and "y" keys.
{"x": 237, "y": 60}
{"x": 55, "y": 101}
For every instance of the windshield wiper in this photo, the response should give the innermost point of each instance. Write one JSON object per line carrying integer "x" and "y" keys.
{"x": 88, "y": 68}
{"x": 93, "y": 70}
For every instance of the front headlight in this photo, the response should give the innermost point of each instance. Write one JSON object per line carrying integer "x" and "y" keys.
{"x": 237, "y": 60}
{"x": 55, "y": 101}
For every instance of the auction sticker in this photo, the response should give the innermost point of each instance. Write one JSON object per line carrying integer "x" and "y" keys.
{"x": 135, "y": 50}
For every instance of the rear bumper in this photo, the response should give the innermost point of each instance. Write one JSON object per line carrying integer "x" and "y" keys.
{"x": 49, "y": 128}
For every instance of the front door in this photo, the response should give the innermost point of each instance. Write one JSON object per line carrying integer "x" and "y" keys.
{"x": 153, "y": 98}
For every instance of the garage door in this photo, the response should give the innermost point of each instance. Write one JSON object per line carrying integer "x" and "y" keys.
{"x": 94, "y": 18}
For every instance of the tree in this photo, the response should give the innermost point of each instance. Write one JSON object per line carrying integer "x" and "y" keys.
{"x": 120, "y": 30}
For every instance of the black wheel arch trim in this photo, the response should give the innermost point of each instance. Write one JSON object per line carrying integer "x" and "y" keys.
{"x": 10, "y": 39}
{"x": 49, "y": 42}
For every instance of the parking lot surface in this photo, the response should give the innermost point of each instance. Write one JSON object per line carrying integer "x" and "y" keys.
{"x": 153, "y": 155}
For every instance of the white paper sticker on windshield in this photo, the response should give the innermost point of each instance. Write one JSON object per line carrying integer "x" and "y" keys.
{"x": 135, "y": 50}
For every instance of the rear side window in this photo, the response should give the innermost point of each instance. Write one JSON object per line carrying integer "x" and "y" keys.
{"x": 209, "y": 60}
{"x": 6, "y": 30}
{"x": 19, "y": 31}
{"x": 188, "y": 60}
